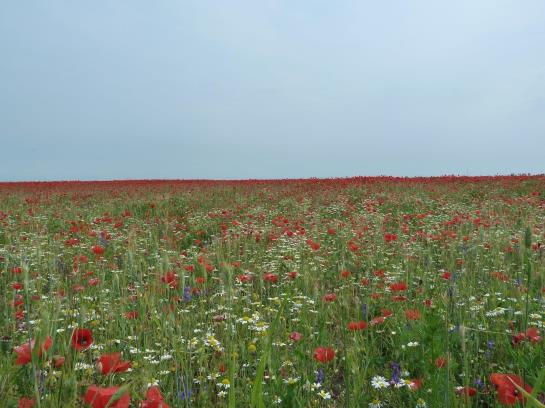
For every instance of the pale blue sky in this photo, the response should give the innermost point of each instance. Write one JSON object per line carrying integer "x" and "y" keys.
{"x": 270, "y": 89}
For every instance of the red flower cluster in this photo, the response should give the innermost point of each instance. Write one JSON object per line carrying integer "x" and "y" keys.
{"x": 355, "y": 326}
{"x": 531, "y": 334}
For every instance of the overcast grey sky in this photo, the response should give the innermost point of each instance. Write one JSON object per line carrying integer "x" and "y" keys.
{"x": 270, "y": 89}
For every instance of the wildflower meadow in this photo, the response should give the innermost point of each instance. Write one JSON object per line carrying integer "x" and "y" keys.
{"x": 355, "y": 292}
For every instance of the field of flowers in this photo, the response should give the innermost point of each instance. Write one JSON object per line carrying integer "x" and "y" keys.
{"x": 359, "y": 292}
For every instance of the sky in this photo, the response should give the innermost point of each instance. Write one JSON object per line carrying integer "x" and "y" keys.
{"x": 132, "y": 89}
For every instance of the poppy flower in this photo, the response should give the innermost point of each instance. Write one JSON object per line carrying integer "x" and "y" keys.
{"x": 412, "y": 314}
{"x": 398, "y": 287}
{"x": 324, "y": 354}
{"x": 440, "y": 362}
{"x": 24, "y": 351}
{"x": 171, "y": 279}
{"x": 82, "y": 339}
{"x": 399, "y": 298}
{"x": 25, "y": 402}
{"x": 377, "y": 320}
{"x": 58, "y": 361}
{"x": 98, "y": 397}
{"x": 518, "y": 338}
{"x": 446, "y": 275}
{"x": 292, "y": 275}
{"x": 97, "y": 250}
{"x": 132, "y": 314}
{"x": 154, "y": 399}
{"x": 466, "y": 391}
{"x": 112, "y": 363}
{"x": 313, "y": 245}
{"x": 390, "y": 237}
{"x": 415, "y": 384}
{"x": 386, "y": 313}
{"x": 270, "y": 277}
{"x": 295, "y": 336}
{"x": 244, "y": 278}
{"x": 355, "y": 326}
{"x": 345, "y": 274}
{"x": 330, "y": 297}
{"x": 507, "y": 392}
{"x": 353, "y": 247}
{"x": 533, "y": 334}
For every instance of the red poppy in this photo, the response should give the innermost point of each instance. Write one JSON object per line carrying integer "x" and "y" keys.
{"x": 518, "y": 338}
{"x": 386, "y": 313}
{"x": 270, "y": 277}
{"x": 446, "y": 275}
{"x": 17, "y": 285}
{"x": 154, "y": 399}
{"x": 171, "y": 279}
{"x": 200, "y": 280}
{"x": 244, "y": 278}
{"x": 377, "y": 320}
{"x": 58, "y": 361}
{"x": 412, "y": 314}
{"x": 82, "y": 339}
{"x": 355, "y": 326}
{"x": 25, "y": 402}
{"x": 295, "y": 336}
{"x": 507, "y": 392}
{"x": 292, "y": 275}
{"x": 330, "y": 297}
{"x": 112, "y": 363}
{"x": 132, "y": 314}
{"x": 398, "y": 287}
{"x": 345, "y": 274}
{"x": 415, "y": 384}
{"x": 353, "y": 247}
{"x": 399, "y": 298}
{"x": 93, "y": 281}
{"x": 533, "y": 334}
{"x": 99, "y": 397}
{"x": 313, "y": 245}
{"x": 324, "y": 354}
{"x": 466, "y": 391}
{"x": 24, "y": 351}
{"x": 390, "y": 237}
{"x": 440, "y": 362}
{"x": 97, "y": 250}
